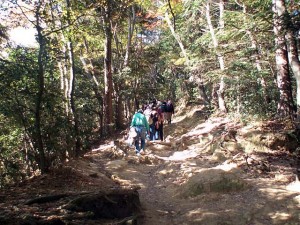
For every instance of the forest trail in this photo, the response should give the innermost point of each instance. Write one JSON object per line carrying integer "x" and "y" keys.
{"x": 201, "y": 175}
{"x": 211, "y": 171}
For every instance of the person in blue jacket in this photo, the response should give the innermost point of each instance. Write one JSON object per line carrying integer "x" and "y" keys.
{"x": 140, "y": 123}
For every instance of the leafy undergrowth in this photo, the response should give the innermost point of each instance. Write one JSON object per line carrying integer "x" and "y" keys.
{"x": 209, "y": 170}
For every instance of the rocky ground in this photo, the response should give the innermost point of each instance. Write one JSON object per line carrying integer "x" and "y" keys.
{"x": 209, "y": 170}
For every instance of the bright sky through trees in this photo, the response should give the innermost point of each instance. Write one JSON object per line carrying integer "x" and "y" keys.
{"x": 23, "y": 36}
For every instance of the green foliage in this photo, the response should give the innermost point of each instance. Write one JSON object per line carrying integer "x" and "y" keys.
{"x": 12, "y": 167}
{"x": 156, "y": 69}
{"x": 246, "y": 93}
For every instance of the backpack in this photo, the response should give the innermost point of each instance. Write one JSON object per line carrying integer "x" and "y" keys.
{"x": 154, "y": 117}
{"x": 169, "y": 107}
{"x": 163, "y": 107}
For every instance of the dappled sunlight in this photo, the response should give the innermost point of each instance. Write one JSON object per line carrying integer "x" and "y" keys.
{"x": 275, "y": 192}
{"x": 200, "y": 213}
{"x": 297, "y": 200}
{"x": 166, "y": 172}
{"x": 187, "y": 171}
{"x": 179, "y": 156}
{"x": 294, "y": 186}
{"x": 227, "y": 166}
{"x": 198, "y": 175}
{"x": 129, "y": 182}
{"x": 279, "y": 216}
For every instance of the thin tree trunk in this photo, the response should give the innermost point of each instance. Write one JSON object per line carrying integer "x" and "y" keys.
{"x": 119, "y": 84}
{"x": 39, "y": 98}
{"x": 131, "y": 24}
{"x": 108, "y": 84}
{"x": 176, "y": 36}
{"x": 221, "y": 90}
{"x": 285, "y": 104}
{"x": 89, "y": 70}
{"x": 71, "y": 92}
{"x": 293, "y": 57}
{"x": 72, "y": 103}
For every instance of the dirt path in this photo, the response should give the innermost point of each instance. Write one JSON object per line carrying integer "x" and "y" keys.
{"x": 192, "y": 186}
{"x": 261, "y": 202}
{"x": 210, "y": 172}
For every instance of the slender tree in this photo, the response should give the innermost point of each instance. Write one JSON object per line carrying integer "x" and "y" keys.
{"x": 221, "y": 87}
{"x": 293, "y": 56}
{"x": 285, "y": 104}
{"x": 106, "y": 11}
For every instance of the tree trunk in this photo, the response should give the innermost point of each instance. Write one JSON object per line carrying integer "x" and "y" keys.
{"x": 39, "y": 98}
{"x": 119, "y": 84}
{"x": 89, "y": 70}
{"x": 108, "y": 68}
{"x": 293, "y": 57}
{"x": 285, "y": 105}
{"x": 71, "y": 93}
{"x": 131, "y": 24}
{"x": 120, "y": 120}
{"x": 176, "y": 36}
{"x": 221, "y": 90}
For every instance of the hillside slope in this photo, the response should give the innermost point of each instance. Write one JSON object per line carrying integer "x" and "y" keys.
{"x": 209, "y": 170}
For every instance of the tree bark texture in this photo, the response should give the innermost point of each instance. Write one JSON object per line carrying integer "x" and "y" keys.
{"x": 131, "y": 24}
{"x": 39, "y": 98}
{"x": 221, "y": 90}
{"x": 71, "y": 93}
{"x": 176, "y": 36}
{"x": 295, "y": 66}
{"x": 285, "y": 106}
{"x": 108, "y": 68}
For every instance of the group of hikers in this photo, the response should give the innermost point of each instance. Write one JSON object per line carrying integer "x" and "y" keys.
{"x": 148, "y": 123}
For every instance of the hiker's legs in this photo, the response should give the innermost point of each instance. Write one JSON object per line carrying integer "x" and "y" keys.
{"x": 137, "y": 139}
{"x": 166, "y": 117}
{"x": 143, "y": 137}
{"x": 161, "y": 132}
{"x": 152, "y": 132}
{"x": 137, "y": 144}
{"x": 169, "y": 117}
{"x": 156, "y": 135}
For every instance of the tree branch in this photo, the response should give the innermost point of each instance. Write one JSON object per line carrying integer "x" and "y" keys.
{"x": 173, "y": 15}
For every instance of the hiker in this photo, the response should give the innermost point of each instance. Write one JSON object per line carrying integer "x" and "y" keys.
{"x": 147, "y": 113}
{"x": 141, "y": 126}
{"x": 153, "y": 117}
{"x": 163, "y": 108}
{"x": 159, "y": 125}
{"x": 169, "y": 111}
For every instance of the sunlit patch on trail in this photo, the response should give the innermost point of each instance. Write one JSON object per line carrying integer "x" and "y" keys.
{"x": 182, "y": 155}
{"x": 294, "y": 186}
